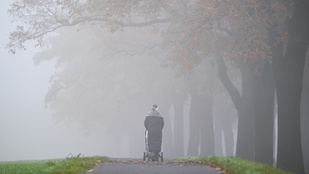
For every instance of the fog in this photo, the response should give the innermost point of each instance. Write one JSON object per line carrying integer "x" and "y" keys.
{"x": 102, "y": 113}
{"x": 88, "y": 90}
{"x": 27, "y": 129}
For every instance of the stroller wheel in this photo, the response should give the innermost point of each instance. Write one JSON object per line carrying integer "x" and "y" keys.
{"x": 144, "y": 157}
{"x": 154, "y": 156}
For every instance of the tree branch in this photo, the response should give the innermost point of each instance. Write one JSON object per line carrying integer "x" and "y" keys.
{"x": 227, "y": 83}
{"x": 19, "y": 43}
{"x": 137, "y": 24}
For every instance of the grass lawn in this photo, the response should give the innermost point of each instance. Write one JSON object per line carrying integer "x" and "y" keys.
{"x": 72, "y": 165}
{"x": 233, "y": 165}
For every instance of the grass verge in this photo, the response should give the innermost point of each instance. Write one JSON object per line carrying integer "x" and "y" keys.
{"x": 233, "y": 165}
{"x": 76, "y": 164}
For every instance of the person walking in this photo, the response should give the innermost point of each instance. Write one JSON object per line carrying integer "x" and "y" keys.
{"x": 154, "y": 124}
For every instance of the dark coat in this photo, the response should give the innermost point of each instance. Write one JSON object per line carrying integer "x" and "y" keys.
{"x": 154, "y": 125}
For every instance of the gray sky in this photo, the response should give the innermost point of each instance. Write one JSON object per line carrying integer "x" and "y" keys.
{"x": 27, "y": 129}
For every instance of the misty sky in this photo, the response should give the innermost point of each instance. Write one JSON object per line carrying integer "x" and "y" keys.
{"x": 27, "y": 129}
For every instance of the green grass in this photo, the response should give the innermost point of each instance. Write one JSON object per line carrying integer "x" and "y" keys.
{"x": 233, "y": 165}
{"x": 78, "y": 164}
{"x": 72, "y": 165}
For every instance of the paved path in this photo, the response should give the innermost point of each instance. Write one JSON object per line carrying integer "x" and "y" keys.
{"x": 136, "y": 166}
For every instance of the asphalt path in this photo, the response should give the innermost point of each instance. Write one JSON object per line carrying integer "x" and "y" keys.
{"x": 137, "y": 166}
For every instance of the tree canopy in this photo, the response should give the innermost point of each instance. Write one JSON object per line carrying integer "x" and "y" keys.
{"x": 197, "y": 28}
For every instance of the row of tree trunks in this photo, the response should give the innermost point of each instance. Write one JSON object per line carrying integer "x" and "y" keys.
{"x": 263, "y": 91}
{"x": 200, "y": 111}
{"x": 255, "y": 114}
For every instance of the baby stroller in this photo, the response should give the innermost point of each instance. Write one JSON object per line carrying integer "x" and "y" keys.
{"x": 151, "y": 155}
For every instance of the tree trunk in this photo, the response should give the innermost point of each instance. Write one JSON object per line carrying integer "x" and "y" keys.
{"x": 228, "y": 137}
{"x": 218, "y": 137}
{"x": 178, "y": 127}
{"x": 201, "y": 125}
{"x": 289, "y": 142}
{"x": 244, "y": 106}
{"x": 264, "y": 93}
{"x": 224, "y": 116}
{"x": 289, "y": 77}
{"x": 167, "y": 137}
{"x": 245, "y": 139}
{"x": 194, "y": 135}
{"x": 206, "y": 127}
{"x": 304, "y": 116}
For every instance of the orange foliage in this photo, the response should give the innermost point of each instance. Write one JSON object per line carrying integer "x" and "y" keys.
{"x": 230, "y": 28}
